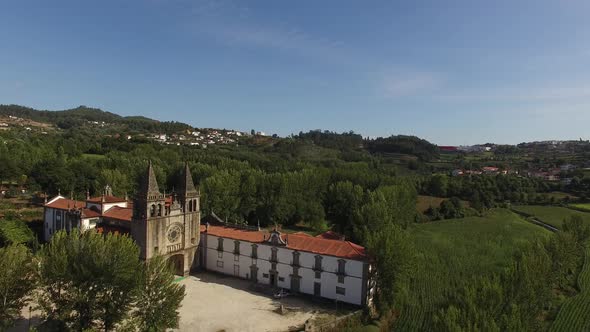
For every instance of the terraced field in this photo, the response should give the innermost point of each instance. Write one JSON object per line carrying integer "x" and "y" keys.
{"x": 453, "y": 250}
{"x": 575, "y": 312}
{"x": 552, "y": 215}
{"x": 581, "y": 206}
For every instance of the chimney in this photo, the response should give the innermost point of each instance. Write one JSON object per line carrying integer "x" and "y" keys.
{"x": 87, "y": 194}
{"x": 207, "y": 227}
{"x": 45, "y": 200}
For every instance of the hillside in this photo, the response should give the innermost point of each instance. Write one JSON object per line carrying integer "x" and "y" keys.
{"x": 83, "y": 116}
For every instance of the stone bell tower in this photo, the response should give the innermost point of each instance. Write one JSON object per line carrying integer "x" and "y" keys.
{"x": 168, "y": 226}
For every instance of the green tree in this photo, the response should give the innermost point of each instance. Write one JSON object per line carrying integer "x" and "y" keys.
{"x": 16, "y": 282}
{"x": 393, "y": 254}
{"x": 159, "y": 297}
{"x": 16, "y": 232}
{"x": 88, "y": 280}
{"x": 579, "y": 229}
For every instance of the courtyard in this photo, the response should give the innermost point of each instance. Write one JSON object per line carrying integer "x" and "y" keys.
{"x": 221, "y": 303}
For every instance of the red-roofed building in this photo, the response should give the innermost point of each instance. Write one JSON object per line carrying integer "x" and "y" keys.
{"x": 326, "y": 266}
{"x": 105, "y": 210}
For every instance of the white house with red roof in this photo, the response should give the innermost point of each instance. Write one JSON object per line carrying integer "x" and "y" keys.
{"x": 325, "y": 266}
{"x": 63, "y": 213}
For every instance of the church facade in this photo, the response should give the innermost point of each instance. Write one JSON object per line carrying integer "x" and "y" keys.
{"x": 168, "y": 225}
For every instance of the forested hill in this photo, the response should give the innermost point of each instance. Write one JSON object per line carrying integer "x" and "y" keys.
{"x": 80, "y": 116}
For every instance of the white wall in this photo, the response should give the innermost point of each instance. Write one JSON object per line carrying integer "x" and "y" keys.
{"x": 353, "y": 282}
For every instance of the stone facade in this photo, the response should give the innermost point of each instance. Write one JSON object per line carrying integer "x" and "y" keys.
{"x": 169, "y": 227}
{"x": 164, "y": 224}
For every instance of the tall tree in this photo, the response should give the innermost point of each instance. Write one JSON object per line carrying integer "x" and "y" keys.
{"x": 393, "y": 254}
{"x": 88, "y": 280}
{"x": 158, "y": 297}
{"x": 16, "y": 282}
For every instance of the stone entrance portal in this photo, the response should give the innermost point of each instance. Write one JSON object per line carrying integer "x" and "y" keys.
{"x": 177, "y": 262}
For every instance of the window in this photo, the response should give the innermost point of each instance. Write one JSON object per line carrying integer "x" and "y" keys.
{"x": 156, "y": 249}
{"x": 220, "y": 254}
{"x": 159, "y": 210}
{"x": 236, "y": 247}
{"x": 254, "y": 251}
{"x": 273, "y": 257}
{"x": 341, "y": 264}
{"x": 281, "y": 279}
{"x": 190, "y": 206}
{"x": 265, "y": 275}
{"x": 153, "y": 210}
{"x": 340, "y": 278}
{"x": 219, "y": 263}
{"x": 318, "y": 263}
{"x": 340, "y": 291}
{"x": 295, "y": 258}
{"x": 295, "y": 271}
{"x": 93, "y": 221}
{"x": 236, "y": 258}
{"x": 318, "y": 274}
{"x": 220, "y": 244}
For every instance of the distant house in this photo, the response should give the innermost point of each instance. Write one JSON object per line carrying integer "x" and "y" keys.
{"x": 448, "y": 148}
{"x": 457, "y": 172}
{"x": 490, "y": 169}
{"x": 567, "y": 167}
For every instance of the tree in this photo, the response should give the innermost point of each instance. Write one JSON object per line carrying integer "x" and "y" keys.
{"x": 580, "y": 229}
{"x": 16, "y": 282}
{"x": 16, "y": 232}
{"x": 159, "y": 297}
{"x": 88, "y": 280}
{"x": 393, "y": 254}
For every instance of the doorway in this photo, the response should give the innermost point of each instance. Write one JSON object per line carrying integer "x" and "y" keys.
{"x": 317, "y": 289}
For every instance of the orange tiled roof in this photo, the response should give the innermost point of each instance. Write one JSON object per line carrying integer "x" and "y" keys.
{"x": 90, "y": 213}
{"x": 317, "y": 245}
{"x": 119, "y": 213}
{"x": 65, "y": 204}
{"x": 107, "y": 199}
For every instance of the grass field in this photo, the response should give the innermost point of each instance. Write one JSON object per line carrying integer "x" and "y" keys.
{"x": 93, "y": 156}
{"x": 552, "y": 215}
{"x": 452, "y": 250}
{"x": 581, "y": 206}
{"x": 424, "y": 202}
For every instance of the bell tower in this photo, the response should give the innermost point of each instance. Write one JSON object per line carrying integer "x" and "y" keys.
{"x": 168, "y": 225}
{"x": 149, "y": 209}
{"x": 188, "y": 197}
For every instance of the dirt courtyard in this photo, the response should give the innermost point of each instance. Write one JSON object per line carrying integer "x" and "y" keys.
{"x": 218, "y": 303}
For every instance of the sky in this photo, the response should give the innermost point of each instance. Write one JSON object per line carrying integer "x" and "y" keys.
{"x": 452, "y": 72}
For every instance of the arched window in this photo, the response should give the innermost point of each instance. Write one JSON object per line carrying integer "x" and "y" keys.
{"x": 153, "y": 210}
{"x": 190, "y": 206}
{"x": 195, "y": 205}
{"x": 159, "y": 210}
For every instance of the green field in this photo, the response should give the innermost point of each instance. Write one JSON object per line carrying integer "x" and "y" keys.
{"x": 424, "y": 202}
{"x": 552, "y": 215}
{"x": 452, "y": 250}
{"x": 574, "y": 315}
{"x": 581, "y": 206}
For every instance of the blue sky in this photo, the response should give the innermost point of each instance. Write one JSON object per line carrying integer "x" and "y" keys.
{"x": 453, "y": 72}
